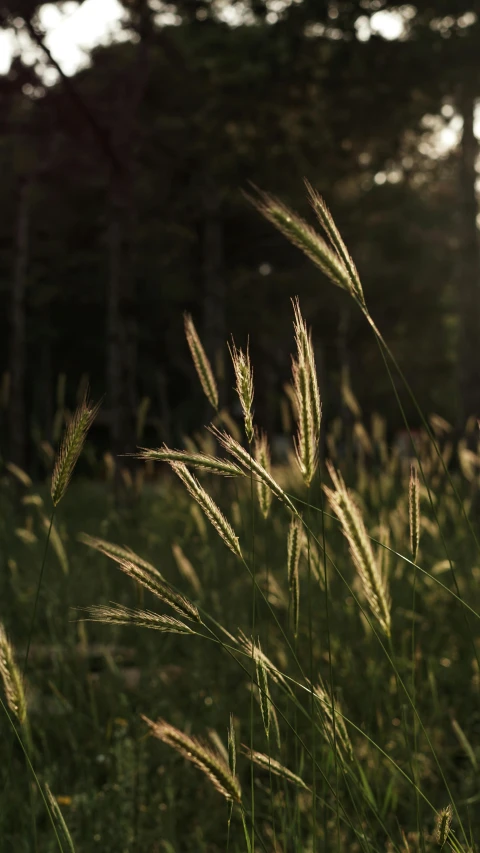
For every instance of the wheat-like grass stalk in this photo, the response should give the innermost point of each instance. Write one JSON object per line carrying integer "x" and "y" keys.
{"x": 244, "y": 385}
{"x": 414, "y": 511}
{"x": 326, "y": 221}
{"x": 304, "y": 441}
{"x": 302, "y": 235}
{"x": 251, "y": 464}
{"x": 159, "y": 588}
{"x": 273, "y": 766}
{"x": 201, "y": 461}
{"x": 443, "y": 824}
{"x": 375, "y": 585}
{"x": 333, "y": 721}
{"x": 186, "y": 569}
{"x": 118, "y": 553}
{"x": 264, "y": 690}
{"x": 202, "y": 756}
{"x": 294, "y": 543}
{"x": 71, "y": 448}
{"x": 201, "y": 362}
{"x": 262, "y": 457}
{"x": 232, "y": 747}
{"x": 209, "y": 507}
{"x": 12, "y": 678}
{"x": 117, "y": 614}
{"x": 303, "y": 339}
{"x": 307, "y": 399}
{"x": 56, "y": 811}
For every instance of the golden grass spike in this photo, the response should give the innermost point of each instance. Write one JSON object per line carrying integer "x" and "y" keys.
{"x": 232, "y": 747}
{"x": 244, "y": 384}
{"x": 295, "y": 534}
{"x": 117, "y": 614}
{"x": 263, "y": 690}
{"x": 443, "y": 824}
{"x": 414, "y": 511}
{"x": 202, "y": 461}
{"x": 326, "y": 221}
{"x": 159, "y": 588}
{"x": 118, "y": 553}
{"x": 56, "y": 811}
{"x": 307, "y": 399}
{"x": 302, "y": 235}
{"x": 186, "y": 569}
{"x": 303, "y": 339}
{"x": 332, "y": 715}
{"x": 201, "y": 362}
{"x": 12, "y": 679}
{"x": 273, "y": 766}
{"x": 211, "y": 510}
{"x": 304, "y": 441}
{"x": 71, "y": 448}
{"x": 375, "y": 586}
{"x": 262, "y": 456}
{"x": 202, "y": 756}
{"x": 251, "y": 464}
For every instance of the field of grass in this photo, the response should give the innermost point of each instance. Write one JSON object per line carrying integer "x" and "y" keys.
{"x": 351, "y": 721}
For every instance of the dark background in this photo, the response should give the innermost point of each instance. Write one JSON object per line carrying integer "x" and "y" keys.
{"x": 121, "y": 206}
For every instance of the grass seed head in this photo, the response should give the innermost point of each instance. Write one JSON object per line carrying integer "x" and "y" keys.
{"x": 202, "y": 461}
{"x": 263, "y": 689}
{"x": 307, "y": 399}
{"x": 326, "y": 221}
{"x": 244, "y": 384}
{"x": 302, "y": 235}
{"x": 117, "y": 614}
{"x": 375, "y": 584}
{"x": 414, "y": 511}
{"x": 268, "y": 763}
{"x": 209, "y": 507}
{"x": 443, "y": 825}
{"x": 294, "y": 549}
{"x": 202, "y": 756}
{"x": 201, "y": 362}
{"x": 333, "y": 722}
{"x": 12, "y": 678}
{"x": 71, "y": 448}
{"x": 262, "y": 457}
{"x": 232, "y": 747}
{"x": 118, "y": 553}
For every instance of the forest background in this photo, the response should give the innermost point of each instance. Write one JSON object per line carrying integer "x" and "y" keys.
{"x": 122, "y": 206}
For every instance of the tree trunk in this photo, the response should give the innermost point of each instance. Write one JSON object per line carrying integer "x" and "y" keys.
{"x": 17, "y": 424}
{"x": 469, "y": 279}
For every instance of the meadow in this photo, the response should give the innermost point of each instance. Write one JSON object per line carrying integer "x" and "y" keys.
{"x": 248, "y": 654}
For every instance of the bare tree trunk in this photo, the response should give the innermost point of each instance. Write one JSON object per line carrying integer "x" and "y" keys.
{"x": 469, "y": 278}
{"x": 17, "y": 424}
{"x": 214, "y": 320}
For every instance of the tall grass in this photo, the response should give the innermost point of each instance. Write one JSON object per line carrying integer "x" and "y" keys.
{"x": 319, "y": 673}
